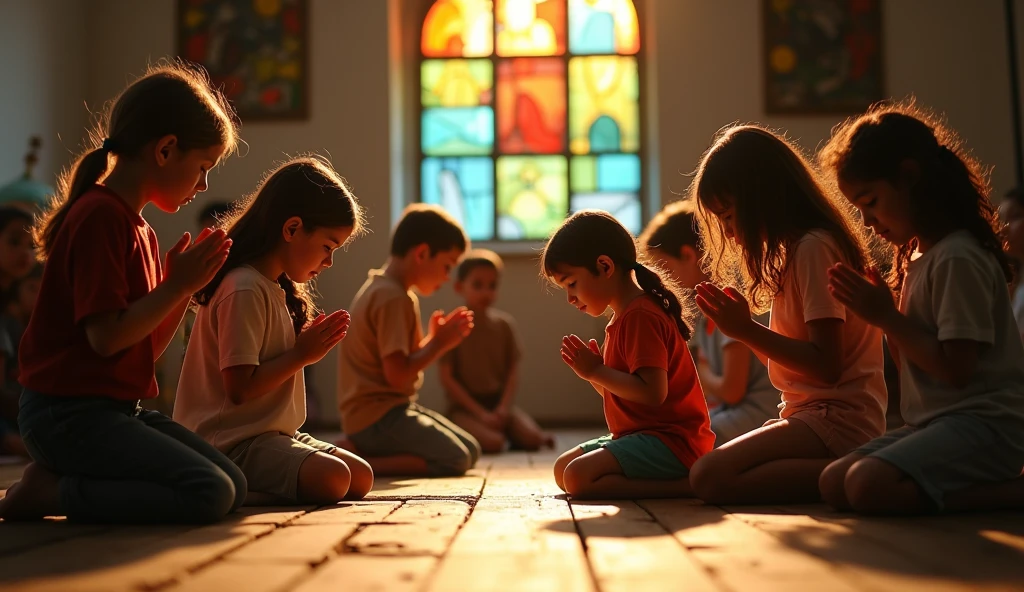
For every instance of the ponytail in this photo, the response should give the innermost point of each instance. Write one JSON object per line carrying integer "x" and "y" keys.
{"x": 88, "y": 170}
{"x": 653, "y": 284}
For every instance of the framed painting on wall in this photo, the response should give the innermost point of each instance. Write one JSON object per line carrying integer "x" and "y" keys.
{"x": 256, "y": 50}
{"x": 822, "y": 56}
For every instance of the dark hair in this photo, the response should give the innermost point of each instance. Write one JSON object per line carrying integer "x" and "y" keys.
{"x": 778, "y": 199}
{"x": 172, "y": 98}
{"x": 11, "y": 214}
{"x": 950, "y": 192}
{"x": 588, "y": 234}
{"x": 671, "y": 229}
{"x": 307, "y": 187}
{"x": 430, "y": 225}
{"x": 218, "y": 210}
{"x": 475, "y": 259}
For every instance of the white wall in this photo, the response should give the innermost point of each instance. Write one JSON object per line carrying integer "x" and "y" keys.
{"x": 43, "y": 58}
{"x": 704, "y": 72}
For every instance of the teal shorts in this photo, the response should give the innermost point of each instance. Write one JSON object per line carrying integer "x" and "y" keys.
{"x": 641, "y": 456}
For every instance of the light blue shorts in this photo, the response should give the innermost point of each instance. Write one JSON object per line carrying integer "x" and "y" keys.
{"x": 949, "y": 453}
{"x": 641, "y": 456}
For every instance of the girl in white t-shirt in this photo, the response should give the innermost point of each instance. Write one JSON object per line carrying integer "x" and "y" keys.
{"x": 953, "y": 335}
{"x": 763, "y": 213}
{"x": 241, "y": 384}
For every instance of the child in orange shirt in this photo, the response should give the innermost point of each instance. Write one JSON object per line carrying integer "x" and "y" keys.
{"x": 653, "y": 402}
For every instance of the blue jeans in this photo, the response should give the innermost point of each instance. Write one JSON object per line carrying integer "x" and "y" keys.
{"x": 119, "y": 463}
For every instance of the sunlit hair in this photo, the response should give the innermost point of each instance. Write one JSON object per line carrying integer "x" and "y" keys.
{"x": 306, "y": 187}
{"x": 948, "y": 191}
{"x": 671, "y": 229}
{"x": 588, "y": 234}
{"x": 778, "y": 199}
{"x": 172, "y": 98}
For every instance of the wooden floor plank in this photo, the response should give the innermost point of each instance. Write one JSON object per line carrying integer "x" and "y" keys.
{"x": 349, "y": 513}
{"x": 628, "y": 550}
{"x": 226, "y": 576}
{"x": 520, "y": 537}
{"x": 416, "y": 528}
{"x": 468, "y": 486}
{"x": 740, "y": 556}
{"x": 367, "y": 573}
{"x": 17, "y": 537}
{"x": 307, "y": 545}
{"x": 267, "y": 515}
{"x": 861, "y": 561}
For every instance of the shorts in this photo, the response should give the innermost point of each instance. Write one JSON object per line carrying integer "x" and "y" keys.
{"x": 840, "y": 433}
{"x": 641, "y": 456}
{"x": 271, "y": 461}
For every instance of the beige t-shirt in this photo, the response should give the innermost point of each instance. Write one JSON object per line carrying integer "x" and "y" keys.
{"x": 385, "y": 320}
{"x": 859, "y": 399}
{"x": 481, "y": 363}
{"x": 245, "y": 323}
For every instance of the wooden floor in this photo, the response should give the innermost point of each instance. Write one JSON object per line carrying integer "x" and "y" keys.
{"x": 505, "y": 527}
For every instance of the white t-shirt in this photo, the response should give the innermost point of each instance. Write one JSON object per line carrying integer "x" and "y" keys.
{"x": 244, "y": 324}
{"x": 859, "y": 399}
{"x": 956, "y": 290}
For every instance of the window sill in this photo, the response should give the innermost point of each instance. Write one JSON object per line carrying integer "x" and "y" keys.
{"x": 519, "y": 249}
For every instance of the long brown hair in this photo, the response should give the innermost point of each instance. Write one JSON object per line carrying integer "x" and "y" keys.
{"x": 172, "y": 98}
{"x": 950, "y": 192}
{"x": 778, "y": 199}
{"x": 307, "y": 187}
{"x": 588, "y": 234}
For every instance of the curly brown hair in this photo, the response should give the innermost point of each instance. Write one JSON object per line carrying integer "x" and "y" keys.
{"x": 951, "y": 191}
{"x": 778, "y": 199}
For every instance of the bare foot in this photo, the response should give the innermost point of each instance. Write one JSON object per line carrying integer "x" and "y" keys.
{"x": 346, "y": 444}
{"x": 32, "y": 498}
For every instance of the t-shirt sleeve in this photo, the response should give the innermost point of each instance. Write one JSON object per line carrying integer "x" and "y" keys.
{"x": 241, "y": 325}
{"x": 644, "y": 334}
{"x": 98, "y": 275}
{"x": 395, "y": 319}
{"x": 813, "y": 258}
{"x": 962, "y": 305}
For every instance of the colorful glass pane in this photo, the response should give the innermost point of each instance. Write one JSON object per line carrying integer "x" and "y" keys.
{"x": 624, "y": 206}
{"x": 605, "y": 172}
{"x": 457, "y": 131}
{"x": 456, "y": 83}
{"x": 603, "y": 104}
{"x": 458, "y": 28}
{"x": 603, "y": 26}
{"x": 464, "y": 187}
{"x": 531, "y": 105}
{"x": 530, "y": 27}
{"x": 532, "y": 196}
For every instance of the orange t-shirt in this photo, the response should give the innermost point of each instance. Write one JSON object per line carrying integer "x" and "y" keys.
{"x": 644, "y": 336}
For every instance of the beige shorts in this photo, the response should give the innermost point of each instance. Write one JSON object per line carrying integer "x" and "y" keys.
{"x": 837, "y": 430}
{"x": 271, "y": 461}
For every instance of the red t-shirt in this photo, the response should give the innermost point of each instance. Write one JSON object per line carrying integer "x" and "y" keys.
{"x": 644, "y": 336}
{"x": 104, "y": 257}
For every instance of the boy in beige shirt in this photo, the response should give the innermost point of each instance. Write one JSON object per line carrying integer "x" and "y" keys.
{"x": 480, "y": 376}
{"x": 383, "y": 357}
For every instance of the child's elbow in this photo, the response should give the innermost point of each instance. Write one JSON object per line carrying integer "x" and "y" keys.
{"x": 659, "y": 396}
{"x": 395, "y": 377}
{"x": 103, "y": 346}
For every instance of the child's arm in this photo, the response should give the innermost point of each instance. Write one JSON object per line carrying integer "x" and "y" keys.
{"x": 820, "y": 357}
{"x": 952, "y": 361}
{"x": 446, "y": 332}
{"x": 648, "y": 385}
{"x": 457, "y": 393}
{"x": 245, "y": 383}
{"x": 731, "y": 386}
{"x": 165, "y": 332}
{"x": 189, "y": 269}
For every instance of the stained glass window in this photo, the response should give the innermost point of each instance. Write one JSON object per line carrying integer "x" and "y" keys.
{"x": 530, "y": 111}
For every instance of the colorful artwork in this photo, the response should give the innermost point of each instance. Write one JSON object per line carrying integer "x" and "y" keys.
{"x": 532, "y": 196}
{"x": 464, "y": 187}
{"x": 822, "y": 56}
{"x": 255, "y": 49}
{"x": 603, "y": 27}
{"x": 604, "y": 109}
{"x": 458, "y": 28}
{"x": 544, "y": 120}
{"x": 531, "y": 106}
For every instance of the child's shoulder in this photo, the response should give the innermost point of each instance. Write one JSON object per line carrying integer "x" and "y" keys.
{"x": 500, "y": 317}
{"x": 962, "y": 247}
{"x": 244, "y": 278}
{"x": 645, "y": 310}
{"x": 100, "y": 202}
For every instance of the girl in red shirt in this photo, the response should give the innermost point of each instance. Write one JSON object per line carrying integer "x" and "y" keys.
{"x": 107, "y": 308}
{"x": 653, "y": 402}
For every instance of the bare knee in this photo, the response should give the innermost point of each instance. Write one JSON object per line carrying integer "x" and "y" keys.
{"x": 492, "y": 443}
{"x": 575, "y": 479}
{"x": 561, "y": 464}
{"x": 832, "y": 484}
{"x": 323, "y": 479}
{"x": 711, "y": 479}
{"x": 871, "y": 486}
{"x": 362, "y": 479}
